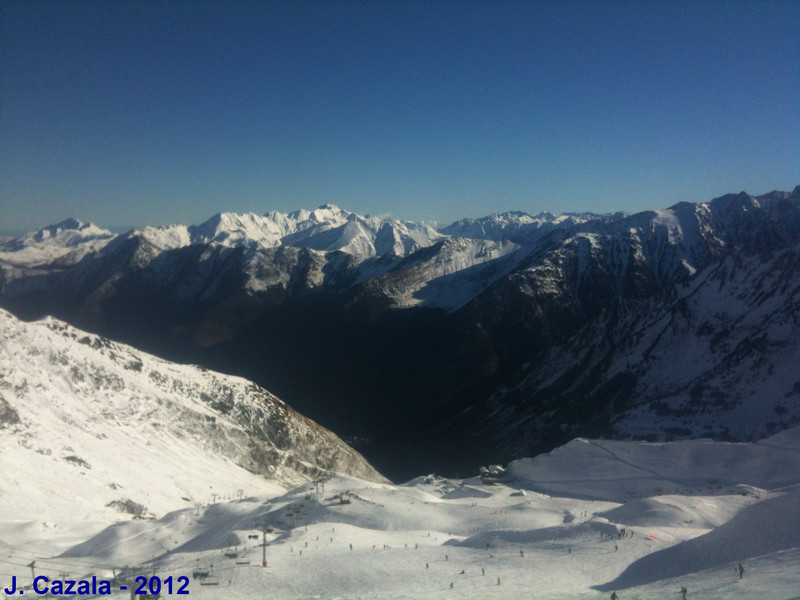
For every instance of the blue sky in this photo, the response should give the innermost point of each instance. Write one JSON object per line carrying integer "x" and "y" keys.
{"x": 153, "y": 112}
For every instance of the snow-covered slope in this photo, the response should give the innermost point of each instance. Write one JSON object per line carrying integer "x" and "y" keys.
{"x": 619, "y": 471}
{"x": 502, "y": 537}
{"x": 716, "y": 356}
{"x": 771, "y": 527}
{"x": 448, "y": 274}
{"x": 64, "y": 243}
{"x": 93, "y": 429}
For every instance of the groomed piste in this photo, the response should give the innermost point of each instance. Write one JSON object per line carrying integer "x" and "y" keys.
{"x": 591, "y": 518}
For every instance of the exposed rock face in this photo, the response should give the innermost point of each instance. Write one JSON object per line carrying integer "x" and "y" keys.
{"x": 64, "y": 388}
{"x": 515, "y": 330}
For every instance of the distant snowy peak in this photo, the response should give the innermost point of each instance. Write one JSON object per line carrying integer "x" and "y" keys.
{"x": 165, "y": 237}
{"x": 326, "y": 215}
{"x": 326, "y": 229}
{"x": 329, "y": 228}
{"x": 69, "y": 227}
{"x": 69, "y": 237}
{"x": 517, "y": 226}
{"x": 756, "y": 223}
{"x": 667, "y": 245}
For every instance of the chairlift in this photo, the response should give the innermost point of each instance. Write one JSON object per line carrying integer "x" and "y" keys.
{"x": 210, "y": 578}
{"x": 243, "y": 561}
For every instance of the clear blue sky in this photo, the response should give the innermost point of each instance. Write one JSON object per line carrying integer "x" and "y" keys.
{"x": 154, "y": 112}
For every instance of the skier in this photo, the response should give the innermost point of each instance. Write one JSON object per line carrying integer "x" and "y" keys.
{"x": 684, "y": 591}
{"x": 451, "y": 585}
{"x": 614, "y": 596}
{"x": 740, "y": 569}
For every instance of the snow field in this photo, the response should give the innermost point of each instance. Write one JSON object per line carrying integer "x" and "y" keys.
{"x": 538, "y": 546}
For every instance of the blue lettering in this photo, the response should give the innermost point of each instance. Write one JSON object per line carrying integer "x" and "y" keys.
{"x": 36, "y": 585}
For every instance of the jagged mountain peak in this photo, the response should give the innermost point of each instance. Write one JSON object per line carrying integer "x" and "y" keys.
{"x": 70, "y": 223}
{"x": 325, "y": 214}
{"x": 326, "y": 229}
{"x": 332, "y": 208}
{"x": 237, "y": 229}
{"x": 165, "y": 237}
{"x": 741, "y": 201}
{"x": 517, "y": 226}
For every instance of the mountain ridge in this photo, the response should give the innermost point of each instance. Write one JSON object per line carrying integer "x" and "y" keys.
{"x": 120, "y": 430}
{"x": 434, "y": 325}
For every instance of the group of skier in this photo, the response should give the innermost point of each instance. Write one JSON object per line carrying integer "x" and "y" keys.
{"x": 683, "y": 591}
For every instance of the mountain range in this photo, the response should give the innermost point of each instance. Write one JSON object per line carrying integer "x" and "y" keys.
{"x": 487, "y": 340}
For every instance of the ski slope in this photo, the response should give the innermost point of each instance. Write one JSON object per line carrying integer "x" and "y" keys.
{"x": 514, "y": 535}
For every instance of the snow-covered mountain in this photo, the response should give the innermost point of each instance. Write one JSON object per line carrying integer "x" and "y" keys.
{"x": 646, "y": 249}
{"x": 523, "y": 330}
{"x": 117, "y": 430}
{"x": 514, "y": 226}
{"x": 64, "y": 243}
{"x": 325, "y": 229}
{"x": 715, "y": 355}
